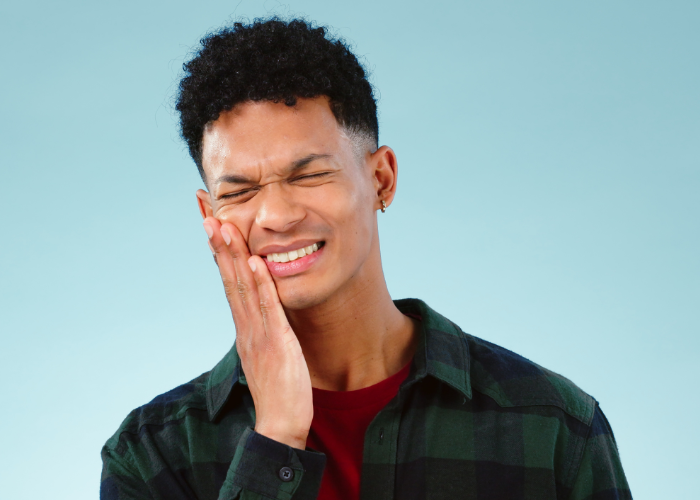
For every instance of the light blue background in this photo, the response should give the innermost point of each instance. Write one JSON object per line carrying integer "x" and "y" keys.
{"x": 548, "y": 201}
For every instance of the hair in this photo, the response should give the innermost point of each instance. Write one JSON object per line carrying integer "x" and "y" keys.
{"x": 274, "y": 60}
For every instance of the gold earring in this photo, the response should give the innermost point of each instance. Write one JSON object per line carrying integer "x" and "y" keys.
{"x": 383, "y": 206}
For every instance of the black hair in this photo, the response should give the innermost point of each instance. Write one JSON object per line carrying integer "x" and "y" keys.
{"x": 274, "y": 60}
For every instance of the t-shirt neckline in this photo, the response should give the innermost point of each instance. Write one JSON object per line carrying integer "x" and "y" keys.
{"x": 381, "y": 392}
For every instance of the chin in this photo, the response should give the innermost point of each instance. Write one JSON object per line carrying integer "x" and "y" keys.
{"x": 306, "y": 291}
{"x": 299, "y": 296}
{"x": 298, "y": 302}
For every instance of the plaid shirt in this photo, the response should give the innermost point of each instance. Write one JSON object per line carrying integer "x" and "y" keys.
{"x": 472, "y": 421}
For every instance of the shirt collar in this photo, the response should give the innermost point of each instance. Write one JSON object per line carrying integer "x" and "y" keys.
{"x": 442, "y": 353}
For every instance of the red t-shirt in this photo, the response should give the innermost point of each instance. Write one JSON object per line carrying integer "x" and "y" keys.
{"x": 338, "y": 430}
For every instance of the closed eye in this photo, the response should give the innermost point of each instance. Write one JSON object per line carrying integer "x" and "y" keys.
{"x": 243, "y": 193}
{"x": 310, "y": 176}
{"x": 238, "y": 194}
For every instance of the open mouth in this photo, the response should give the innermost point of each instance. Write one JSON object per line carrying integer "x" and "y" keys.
{"x": 293, "y": 255}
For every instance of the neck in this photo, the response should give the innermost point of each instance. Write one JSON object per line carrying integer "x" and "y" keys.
{"x": 355, "y": 339}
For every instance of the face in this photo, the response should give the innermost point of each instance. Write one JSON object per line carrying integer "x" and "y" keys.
{"x": 291, "y": 181}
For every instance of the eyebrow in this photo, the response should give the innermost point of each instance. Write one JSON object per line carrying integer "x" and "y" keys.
{"x": 292, "y": 168}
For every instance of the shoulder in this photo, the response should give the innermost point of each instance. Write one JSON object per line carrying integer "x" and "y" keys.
{"x": 512, "y": 380}
{"x": 166, "y": 408}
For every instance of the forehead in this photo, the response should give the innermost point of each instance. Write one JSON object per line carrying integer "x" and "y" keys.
{"x": 256, "y": 135}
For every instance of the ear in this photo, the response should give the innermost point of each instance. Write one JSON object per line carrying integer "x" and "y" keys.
{"x": 204, "y": 202}
{"x": 385, "y": 175}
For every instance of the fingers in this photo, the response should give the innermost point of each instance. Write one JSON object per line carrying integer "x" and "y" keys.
{"x": 220, "y": 239}
{"x": 219, "y": 248}
{"x": 245, "y": 282}
{"x": 249, "y": 287}
{"x": 273, "y": 316}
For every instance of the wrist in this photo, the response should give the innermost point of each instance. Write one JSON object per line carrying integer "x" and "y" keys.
{"x": 290, "y": 438}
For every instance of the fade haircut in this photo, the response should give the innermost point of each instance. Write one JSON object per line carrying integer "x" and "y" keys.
{"x": 280, "y": 61}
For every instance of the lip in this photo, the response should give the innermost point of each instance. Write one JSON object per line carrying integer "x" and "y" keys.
{"x": 282, "y": 269}
{"x": 268, "y": 249}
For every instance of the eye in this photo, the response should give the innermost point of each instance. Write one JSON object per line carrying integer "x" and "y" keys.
{"x": 317, "y": 175}
{"x": 237, "y": 195}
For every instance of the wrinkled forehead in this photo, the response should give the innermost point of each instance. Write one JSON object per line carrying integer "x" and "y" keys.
{"x": 267, "y": 135}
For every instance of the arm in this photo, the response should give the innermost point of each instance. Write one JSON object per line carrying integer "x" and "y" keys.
{"x": 264, "y": 468}
{"x": 600, "y": 475}
{"x": 254, "y": 473}
{"x": 271, "y": 461}
{"x": 120, "y": 478}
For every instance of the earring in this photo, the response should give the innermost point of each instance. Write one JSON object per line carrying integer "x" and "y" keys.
{"x": 383, "y": 206}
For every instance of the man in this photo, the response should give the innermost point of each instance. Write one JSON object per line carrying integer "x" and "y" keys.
{"x": 333, "y": 390}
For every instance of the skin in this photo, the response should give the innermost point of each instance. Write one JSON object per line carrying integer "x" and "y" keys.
{"x": 279, "y": 176}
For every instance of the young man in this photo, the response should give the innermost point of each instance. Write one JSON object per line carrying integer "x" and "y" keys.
{"x": 332, "y": 390}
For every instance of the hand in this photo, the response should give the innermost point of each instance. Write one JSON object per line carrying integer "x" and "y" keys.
{"x": 271, "y": 357}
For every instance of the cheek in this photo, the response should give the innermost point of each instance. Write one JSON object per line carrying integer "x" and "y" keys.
{"x": 351, "y": 213}
{"x": 237, "y": 216}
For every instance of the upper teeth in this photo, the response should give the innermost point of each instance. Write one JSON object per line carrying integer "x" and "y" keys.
{"x": 293, "y": 255}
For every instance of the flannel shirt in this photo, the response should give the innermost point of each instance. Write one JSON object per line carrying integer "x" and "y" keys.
{"x": 471, "y": 421}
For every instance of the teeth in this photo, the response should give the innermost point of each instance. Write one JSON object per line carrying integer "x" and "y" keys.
{"x": 293, "y": 255}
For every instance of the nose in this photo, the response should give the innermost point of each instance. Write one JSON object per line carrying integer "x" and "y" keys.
{"x": 277, "y": 210}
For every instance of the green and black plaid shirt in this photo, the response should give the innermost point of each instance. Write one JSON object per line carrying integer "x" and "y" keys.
{"x": 471, "y": 421}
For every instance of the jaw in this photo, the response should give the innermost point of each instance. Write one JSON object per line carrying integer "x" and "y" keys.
{"x": 342, "y": 279}
{"x": 306, "y": 291}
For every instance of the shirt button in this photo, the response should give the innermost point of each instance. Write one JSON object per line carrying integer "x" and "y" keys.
{"x": 286, "y": 474}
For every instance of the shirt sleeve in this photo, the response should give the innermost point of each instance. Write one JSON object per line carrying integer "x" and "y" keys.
{"x": 266, "y": 469}
{"x": 261, "y": 469}
{"x": 120, "y": 479}
{"x": 600, "y": 475}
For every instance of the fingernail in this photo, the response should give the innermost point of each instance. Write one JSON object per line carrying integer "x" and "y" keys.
{"x": 209, "y": 230}
{"x": 227, "y": 237}
{"x": 251, "y": 263}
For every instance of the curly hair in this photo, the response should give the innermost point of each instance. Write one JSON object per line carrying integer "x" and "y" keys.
{"x": 273, "y": 60}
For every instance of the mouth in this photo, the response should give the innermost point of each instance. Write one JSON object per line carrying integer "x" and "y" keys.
{"x": 294, "y": 261}
{"x": 293, "y": 255}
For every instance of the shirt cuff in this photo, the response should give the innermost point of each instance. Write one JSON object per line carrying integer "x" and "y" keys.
{"x": 272, "y": 470}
